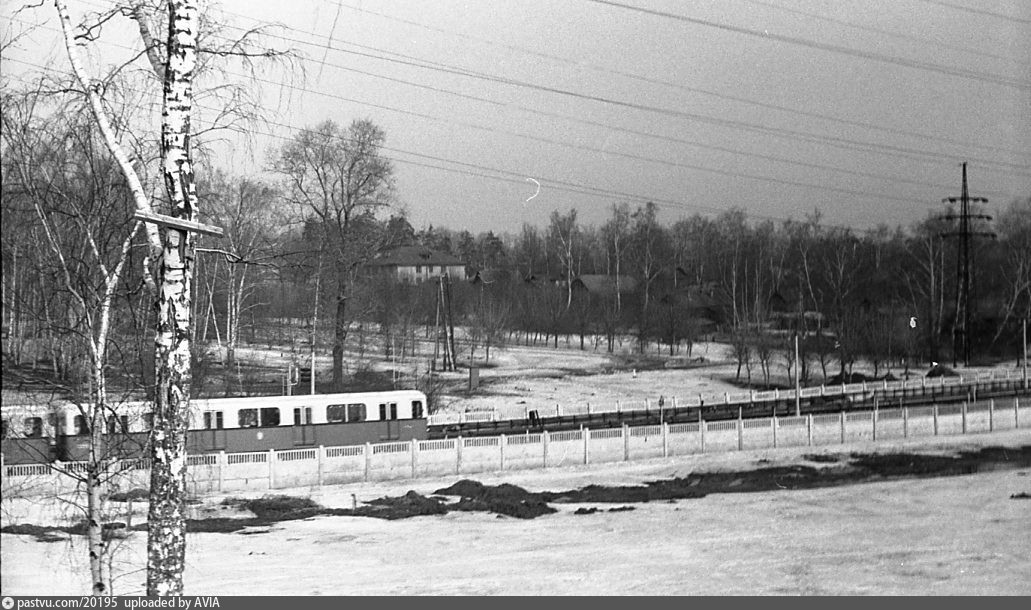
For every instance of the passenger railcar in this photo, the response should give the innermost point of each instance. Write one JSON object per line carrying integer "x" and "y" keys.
{"x": 36, "y": 434}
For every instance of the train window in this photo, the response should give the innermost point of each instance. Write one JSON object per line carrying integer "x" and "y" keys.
{"x": 270, "y": 416}
{"x": 118, "y": 423}
{"x": 336, "y": 413}
{"x": 3, "y": 429}
{"x": 148, "y": 421}
{"x": 213, "y": 420}
{"x": 81, "y": 427}
{"x": 416, "y": 409}
{"x": 33, "y": 427}
{"x": 302, "y": 416}
{"x": 382, "y": 411}
{"x": 393, "y": 410}
{"x": 356, "y": 412}
{"x": 248, "y": 418}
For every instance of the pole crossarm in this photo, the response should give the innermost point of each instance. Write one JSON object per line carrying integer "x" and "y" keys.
{"x": 178, "y": 223}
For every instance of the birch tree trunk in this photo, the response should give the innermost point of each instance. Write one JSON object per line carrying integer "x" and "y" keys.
{"x": 166, "y": 542}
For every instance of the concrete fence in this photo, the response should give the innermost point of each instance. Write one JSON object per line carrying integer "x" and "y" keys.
{"x": 317, "y": 466}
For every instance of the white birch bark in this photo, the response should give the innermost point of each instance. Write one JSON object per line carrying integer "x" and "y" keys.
{"x": 166, "y": 543}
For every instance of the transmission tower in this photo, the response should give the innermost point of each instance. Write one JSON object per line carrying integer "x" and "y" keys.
{"x": 961, "y": 331}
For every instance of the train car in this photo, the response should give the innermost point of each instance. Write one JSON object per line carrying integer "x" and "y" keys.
{"x": 36, "y": 434}
{"x": 28, "y": 434}
{"x": 287, "y": 422}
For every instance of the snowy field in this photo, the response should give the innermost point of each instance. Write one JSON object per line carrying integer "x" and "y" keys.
{"x": 947, "y": 535}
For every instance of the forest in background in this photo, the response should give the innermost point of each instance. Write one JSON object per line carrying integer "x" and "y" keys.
{"x": 298, "y": 241}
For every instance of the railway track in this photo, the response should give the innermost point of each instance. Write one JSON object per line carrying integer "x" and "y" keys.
{"x": 868, "y": 400}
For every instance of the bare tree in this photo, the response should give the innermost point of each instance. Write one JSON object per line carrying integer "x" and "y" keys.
{"x": 339, "y": 180}
{"x": 75, "y": 199}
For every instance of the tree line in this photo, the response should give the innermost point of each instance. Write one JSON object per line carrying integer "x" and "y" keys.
{"x": 296, "y": 249}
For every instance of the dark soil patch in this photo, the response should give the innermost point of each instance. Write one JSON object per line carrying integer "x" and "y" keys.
{"x": 504, "y": 499}
{"x": 136, "y": 494}
{"x": 822, "y": 458}
{"x": 514, "y": 501}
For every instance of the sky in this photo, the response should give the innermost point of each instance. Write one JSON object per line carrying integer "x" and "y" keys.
{"x": 862, "y": 110}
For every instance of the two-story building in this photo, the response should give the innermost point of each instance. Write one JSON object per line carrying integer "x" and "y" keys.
{"x": 417, "y": 264}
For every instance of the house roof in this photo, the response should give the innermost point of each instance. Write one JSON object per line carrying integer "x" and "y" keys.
{"x": 606, "y": 284}
{"x": 406, "y": 256}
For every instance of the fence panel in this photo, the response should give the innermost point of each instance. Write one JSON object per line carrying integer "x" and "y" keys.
{"x": 921, "y": 421}
{"x": 344, "y": 465}
{"x": 565, "y": 449}
{"x": 890, "y": 423}
{"x": 481, "y": 454}
{"x": 524, "y": 451}
{"x": 950, "y": 419}
{"x": 859, "y": 426}
{"x": 977, "y": 416}
{"x": 437, "y": 457}
{"x": 684, "y": 439}
{"x": 606, "y": 445}
{"x": 757, "y": 433}
{"x": 720, "y": 436}
{"x": 827, "y": 429}
{"x": 296, "y": 468}
{"x": 390, "y": 461}
{"x": 792, "y": 431}
{"x": 645, "y": 442}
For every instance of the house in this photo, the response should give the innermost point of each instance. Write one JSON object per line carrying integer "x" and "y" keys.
{"x": 605, "y": 285}
{"x": 416, "y": 264}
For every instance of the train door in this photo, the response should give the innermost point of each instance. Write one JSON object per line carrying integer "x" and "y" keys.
{"x": 213, "y": 436}
{"x": 391, "y": 425}
{"x": 304, "y": 430}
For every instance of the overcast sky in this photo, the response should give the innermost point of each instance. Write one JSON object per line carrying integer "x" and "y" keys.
{"x": 863, "y": 110}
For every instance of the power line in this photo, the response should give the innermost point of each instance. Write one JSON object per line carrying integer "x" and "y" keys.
{"x": 503, "y": 175}
{"x": 657, "y": 81}
{"x": 898, "y": 35}
{"x": 833, "y": 48}
{"x": 977, "y": 11}
{"x": 666, "y": 162}
{"x": 843, "y": 143}
{"x": 839, "y": 142}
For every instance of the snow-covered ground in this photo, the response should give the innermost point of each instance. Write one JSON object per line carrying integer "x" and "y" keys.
{"x": 947, "y": 535}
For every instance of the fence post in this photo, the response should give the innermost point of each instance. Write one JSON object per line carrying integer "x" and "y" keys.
{"x": 991, "y": 415}
{"x": 458, "y": 455}
{"x": 501, "y": 448}
{"x": 809, "y": 428}
{"x": 587, "y": 445}
{"x": 934, "y": 411}
{"x": 842, "y": 427}
{"x": 740, "y": 431}
{"x": 665, "y": 439}
{"x": 413, "y": 448}
{"x": 271, "y": 468}
{"x": 368, "y": 460}
{"x": 964, "y": 417}
{"x": 321, "y": 454}
{"x": 774, "y": 420}
{"x": 905, "y": 422}
{"x": 544, "y": 444}
{"x": 626, "y": 443}
{"x": 222, "y": 465}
